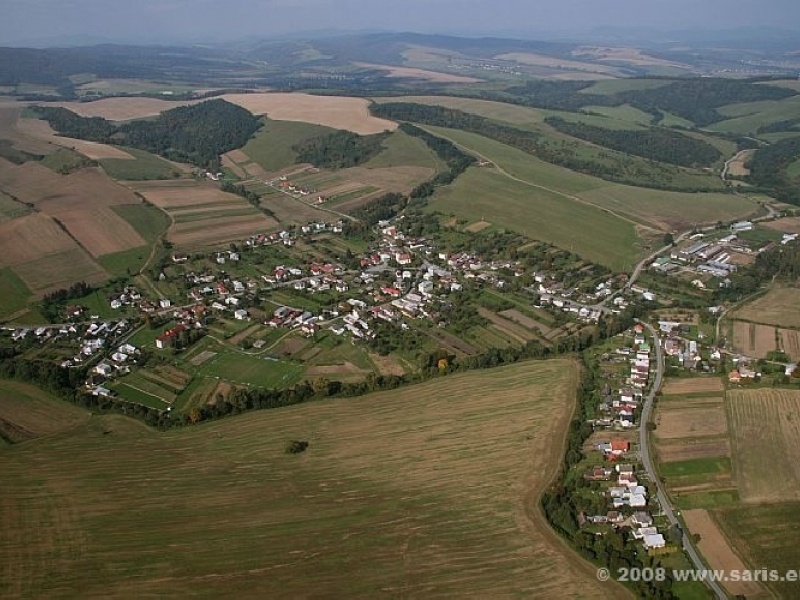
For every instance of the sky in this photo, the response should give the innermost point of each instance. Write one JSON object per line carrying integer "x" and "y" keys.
{"x": 28, "y": 21}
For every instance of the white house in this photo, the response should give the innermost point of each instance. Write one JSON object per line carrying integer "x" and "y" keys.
{"x": 240, "y": 314}
{"x": 654, "y": 541}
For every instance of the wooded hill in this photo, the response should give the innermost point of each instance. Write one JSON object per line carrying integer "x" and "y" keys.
{"x": 196, "y": 134}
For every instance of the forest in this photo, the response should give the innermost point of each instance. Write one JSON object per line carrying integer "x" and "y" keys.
{"x": 340, "y": 149}
{"x": 196, "y": 134}
{"x": 768, "y": 169}
{"x": 658, "y": 144}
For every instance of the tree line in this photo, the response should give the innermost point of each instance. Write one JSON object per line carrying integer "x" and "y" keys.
{"x": 196, "y": 134}
{"x": 658, "y": 144}
{"x": 340, "y": 149}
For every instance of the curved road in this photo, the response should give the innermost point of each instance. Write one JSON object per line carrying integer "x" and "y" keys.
{"x": 647, "y": 461}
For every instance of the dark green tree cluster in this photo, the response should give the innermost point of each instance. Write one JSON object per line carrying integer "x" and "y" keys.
{"x": 381, "y": 209}
{"x": 340, "y": 149}
{"x": 768, "y": 169}
{"x": 196, "y": 134}
{"x": 654, "y": 143}
{"x": 53, "y": 304}
{"x": 780, "y": 126}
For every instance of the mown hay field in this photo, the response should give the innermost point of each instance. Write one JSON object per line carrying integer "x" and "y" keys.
{"x": 429, "y": 490}
{"x": 765, "y": 439}
{"x": 780, "y": 306}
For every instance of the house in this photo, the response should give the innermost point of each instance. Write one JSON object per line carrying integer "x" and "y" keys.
{"x": 402, "y": 258}
{"x": 654, "y": 541}
{"x": 598, "y": 474}
{"x": 642, "y": 519}
{"x": 240, "y": 314}
{"x": 164, "y": 303}
{"x": 734, "y": 376}
{"x": 103, "y": 369}
{"x": 169, "y": 336}
{"x": 619, "y": 447}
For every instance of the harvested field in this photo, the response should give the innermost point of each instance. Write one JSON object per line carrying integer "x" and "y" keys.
{"x": 679, "y": 422}
{"x": 780, "y": 306}
{"x": 122, "y": 109}
{"x": 203, "y": 357}
{"x": 629, "y": 55}
{"x": 43, "y": 255}
{"x": 80, "y": 201}
{"x": 694, "y": 385}
{"x": 291, "y": 346}
{"x": 716, "y": 549}
{"x": 238, "y": 156}
{"x": 789, "y": 343}
{"x": 511, "y": 329}
{"x": 343, "y": 370}
{"x": 786, "y": 225}
{"x": 542, "y": 60}
{"x": 288, "y": 210}
{"x": 477, "y": 227}
{"x": 736, "y": 167}
{"x": 191, "y": 204}
{"x": 765, "y": 441}
{"x": 692, "y": 449}
{"x": 754, "y": 340}
{"x": 516, "y": 316}
{"x": 387, "y": 365}
{"x": 244, "y": 334}
{"x": 26, "y": 412}
{"x": 236, "y": 169}
{"x": 409, "y": 72}
{"x": 425, "y": 491}
{"x": 338, "y": 112}
{"x": 41, "y": 130}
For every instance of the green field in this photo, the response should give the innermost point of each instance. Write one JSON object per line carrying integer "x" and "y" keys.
{"x": 748, "y": 117}
{"x": 10, "y": 209}
{"x": 243, "y": 369}
{"x": 64, "y": 160}
{"x": 145, "y": 166}
{"x": 427, "y": 491}
{"x": 625, "y": 114}
{"x": 125, "y": 262}
{"x": 148, "y": 221}
{"x": 401, "y": 149}
{"x": 137, "y": 396}
{"x": 767, "y": 536}
{"x": 14, "y": 294}
{"x": 272, "y": 146}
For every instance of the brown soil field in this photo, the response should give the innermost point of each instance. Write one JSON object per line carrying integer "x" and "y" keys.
{"x": 80, "y": 201}
{"x": 673, "y": 423}
{"x": 410, "y": 72}
{"x": 511, "y": 329}
{"x": 786, "y": 225}
{"x": 225, "y": 229}
{"x": 338, "y": 112}
{"x": 184, "y": 194}
{"x": 765, "y": 442}
{"x": 238, "y": 156}
{"x": 516, "y": 316}
{"x": 741, "y": 259}
{"x": 694, "y": 385}
{"x": 291, "y": 346}
{"x": 343, "y": 372}
{"x": 736, "y": 167}
{"x": 692, "y": 449}
{"x": 780, "y": 306}
{"x": 752, "y": 340}
{"x": 203, "y": 357}
{"x": 790, "y": 342}
{"x": 716, "y": 549}
{"x": 39, "y": 129}
{"x": 31, "y": 237}
{"x": 229, "y": 164}
{"x": 12, "y": 127}
{"x": 477, "y": 227}
{"x": 255, "y": 170}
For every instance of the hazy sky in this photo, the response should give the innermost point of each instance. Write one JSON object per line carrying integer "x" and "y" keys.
{"x": 22, "y": 21}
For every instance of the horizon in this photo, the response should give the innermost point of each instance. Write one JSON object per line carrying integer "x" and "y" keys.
{"x": 42, "y": 23}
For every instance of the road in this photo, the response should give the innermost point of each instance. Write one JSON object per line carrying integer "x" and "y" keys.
{"x": 647, "y": 461}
